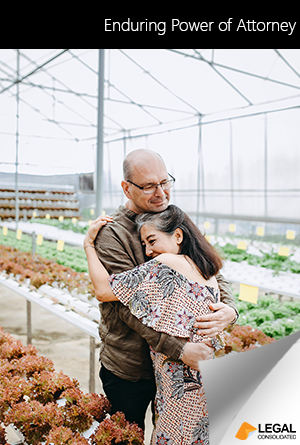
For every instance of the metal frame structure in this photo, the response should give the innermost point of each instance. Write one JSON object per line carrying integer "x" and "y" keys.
{"x": 102, "y": 139}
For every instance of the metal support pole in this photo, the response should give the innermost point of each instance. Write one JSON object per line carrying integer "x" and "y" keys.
{"x": 231, "y": 168}
{"x": 199, "y": 173}
{"x": 266, "y": 165}
{"x": 92, "y": 365}
{"x": 29, "y": 330}
{"x": 99, "y": 160}
{"x": 216, "y": 226}
{"x": 109, "y": 177}
{"x": 124, "y": 145}
{"x": 17, "y": 146}
{"x": 33, "y": 243}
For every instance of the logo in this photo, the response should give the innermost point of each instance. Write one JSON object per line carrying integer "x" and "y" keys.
{"x": 267, "y": 431}
{"x": 245, "y": 431}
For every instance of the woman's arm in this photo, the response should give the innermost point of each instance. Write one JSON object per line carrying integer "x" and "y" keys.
{"x": 98, "y": 273}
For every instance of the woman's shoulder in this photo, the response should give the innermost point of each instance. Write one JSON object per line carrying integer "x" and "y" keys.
{"x": 170, "y": 259}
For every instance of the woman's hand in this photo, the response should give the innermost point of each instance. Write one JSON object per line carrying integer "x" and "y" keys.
{"x": 94, "y": 228}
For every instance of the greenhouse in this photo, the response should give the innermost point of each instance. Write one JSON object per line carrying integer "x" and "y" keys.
{"x": 226, "y": 124}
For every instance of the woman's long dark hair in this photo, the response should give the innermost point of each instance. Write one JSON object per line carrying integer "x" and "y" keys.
{"x": 194, "y": 244}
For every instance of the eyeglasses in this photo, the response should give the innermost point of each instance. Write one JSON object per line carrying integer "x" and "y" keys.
{"x": 151, "y": 188}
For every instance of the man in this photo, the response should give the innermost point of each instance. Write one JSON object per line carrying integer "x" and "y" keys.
{"x": 126, "y": 370}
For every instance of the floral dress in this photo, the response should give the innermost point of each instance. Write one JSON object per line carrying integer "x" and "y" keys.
{"x": 167, "y": 301}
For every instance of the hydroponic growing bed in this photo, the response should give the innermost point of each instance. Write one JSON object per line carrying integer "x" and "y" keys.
{"x": 48, "y": 407}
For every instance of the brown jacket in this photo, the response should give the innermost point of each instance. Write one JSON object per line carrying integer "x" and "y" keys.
{"x": 125, "y": 340}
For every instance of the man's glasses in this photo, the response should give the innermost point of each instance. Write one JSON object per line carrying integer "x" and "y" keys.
{"x": 151, "y": 188}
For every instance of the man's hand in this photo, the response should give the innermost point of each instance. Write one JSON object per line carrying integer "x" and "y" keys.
{"x": 211, "y": 324}
{"x": 193, "y": 353}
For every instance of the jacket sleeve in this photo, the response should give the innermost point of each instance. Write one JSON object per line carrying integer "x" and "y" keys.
{"x": 226, "y": 293}
{"x": 115, "y": 254}
{"x": 109, "y": 247}
{"x": 160, "y": 342}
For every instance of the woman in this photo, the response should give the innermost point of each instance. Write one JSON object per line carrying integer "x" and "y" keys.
{"x": 166, "y": 293}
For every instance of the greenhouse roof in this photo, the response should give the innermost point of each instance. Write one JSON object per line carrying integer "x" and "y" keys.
{"x": 226, "y": 121}
{"x": 146, "y": 91}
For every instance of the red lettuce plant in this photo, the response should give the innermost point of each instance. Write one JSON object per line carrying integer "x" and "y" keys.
{"x": 7, "y": 369}
{"x": 12, "y": 391}
{"x": 28, "y": 365}
{"x": 42, "y": 271}
{"x": 97, "y": 405}
{"x": 49, "y": 386}
{"x": 3, "y": 436}
{"x": 117, "y": 430}
{"x": 65, "y": 436}
{"x": 34, "y": 420}
{"x": 242, "y": 338}
{"x": 29, "y": 391}
{"x": 11, "y": 350}
{"x": 76, "y": 417}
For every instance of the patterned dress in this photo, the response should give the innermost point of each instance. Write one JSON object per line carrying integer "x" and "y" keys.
{"x": 167, "y": 301}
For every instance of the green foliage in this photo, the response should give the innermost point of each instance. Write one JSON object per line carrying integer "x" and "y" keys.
{"x": 269, "y": 260}
{"x": 274, "y": 330}
{"x": 66, "y": 224}
{"x": 70, "y": 257}
{"x": 293, "y": 306}
{"x": 275, "y": 319}
{"x": 259, "y": 316}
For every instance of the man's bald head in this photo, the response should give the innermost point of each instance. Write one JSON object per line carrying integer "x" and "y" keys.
{"x": 138, "y": 159}
{"x": 143, "y": 168}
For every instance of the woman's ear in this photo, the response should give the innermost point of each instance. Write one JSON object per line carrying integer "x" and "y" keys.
{"x": 178, "y": 235}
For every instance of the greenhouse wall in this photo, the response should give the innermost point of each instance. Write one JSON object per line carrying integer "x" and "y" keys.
{"x": 239, "y": 167}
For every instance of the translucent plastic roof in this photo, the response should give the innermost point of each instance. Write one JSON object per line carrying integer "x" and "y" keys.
{"x": 157, "y": 98}
{"x": 145, "y": 90}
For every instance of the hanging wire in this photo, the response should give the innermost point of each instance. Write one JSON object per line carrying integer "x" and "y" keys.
{"x": 157, "y": 107}
{"x": 224, "y": 78}
{"x": 59, "y": 81}
{"x": 112, "y": 120}
{"x": 246, "y": 73}
{"x": 117, "y": 89}
{"x": 135, "y": 103}
{"x": 62, "y": 103}
{"x": 287, "y": 63}
{"x": 209, "y": 122}
{"x": 160, "y": 83}
{"x": 34, "y": 71}
{"x": 83, "y": 63}
{"x": 68, "y": 90}
{"x": 45, "y": 117}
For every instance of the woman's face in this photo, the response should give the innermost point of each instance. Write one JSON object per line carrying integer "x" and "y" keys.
{"x": 157, "y": 242}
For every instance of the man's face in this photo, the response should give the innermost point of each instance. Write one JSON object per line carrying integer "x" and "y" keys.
{"x": 146, "y": 173}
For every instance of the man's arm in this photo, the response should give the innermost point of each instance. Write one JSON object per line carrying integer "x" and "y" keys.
{"x": 109, "y": 248}
{"x": 225, "y": 313}
{"x": 225, "y": 291}
{"x": 174, "y": 347}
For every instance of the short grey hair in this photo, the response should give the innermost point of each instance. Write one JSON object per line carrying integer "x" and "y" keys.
{"x": 127, "y": 173}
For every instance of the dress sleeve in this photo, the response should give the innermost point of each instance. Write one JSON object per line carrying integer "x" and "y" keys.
{"x": 134, "y": 289}
{"x": 162, "y": 299}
